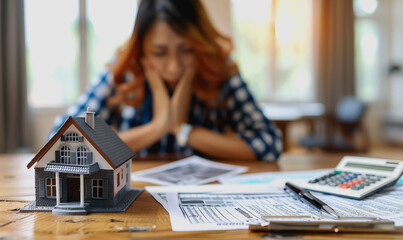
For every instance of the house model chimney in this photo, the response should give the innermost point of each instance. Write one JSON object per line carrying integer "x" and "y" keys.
{"x": 90, "y": 118}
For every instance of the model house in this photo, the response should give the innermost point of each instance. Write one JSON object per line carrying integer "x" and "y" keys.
{"x": 85, "y": 167}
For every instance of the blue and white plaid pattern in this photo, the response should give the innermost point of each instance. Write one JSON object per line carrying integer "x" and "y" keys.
{"x": 240, "y": 112}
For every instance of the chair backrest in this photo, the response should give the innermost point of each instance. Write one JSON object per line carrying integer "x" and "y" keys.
{"x": 350, "y": 110}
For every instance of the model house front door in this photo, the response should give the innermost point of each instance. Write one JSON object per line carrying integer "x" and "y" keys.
{"x": 73, "y": 189}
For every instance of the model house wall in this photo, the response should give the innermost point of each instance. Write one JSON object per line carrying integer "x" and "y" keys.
{"x": 121, "y": 176}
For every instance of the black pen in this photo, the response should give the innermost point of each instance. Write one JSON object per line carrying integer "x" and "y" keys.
{"x": 305, "y": 196}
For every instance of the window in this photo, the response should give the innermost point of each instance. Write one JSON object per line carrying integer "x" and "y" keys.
{"x": 118, "y": 179}
{"x": 70, "y": 43}
{"x": 65, "y": 154}
{"x": 72, "y": 137}
{"x": 277, "y": 35}
{"x": 50, "y": 187}
{"x": 97, "y": 188}
{"x": 105, "y": 34}
{"x": 81, "y": 155}
{"x": 370, "y": 48}
{"x": 127, "y": 172}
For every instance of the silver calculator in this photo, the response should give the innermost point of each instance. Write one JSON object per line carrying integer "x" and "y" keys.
{"x": 357, "y": 177}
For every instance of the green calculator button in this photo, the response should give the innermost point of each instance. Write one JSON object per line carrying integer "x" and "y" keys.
{"x": 337, "y": 172}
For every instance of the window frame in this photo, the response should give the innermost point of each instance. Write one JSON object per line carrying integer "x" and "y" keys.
{"x": 51, "y": 187}
{"x": 65, "y": 155}
{"x": 383, "y": 23}
{"x": 44, "y": 115}
{"x": 81, "y": 155}
{"x": 273, "y": 70}
{"x": 96, "y": 187}
{"x": 72, "y": 137}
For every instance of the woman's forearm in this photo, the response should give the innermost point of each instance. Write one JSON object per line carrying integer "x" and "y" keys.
{"x": 219, "y": 145}
{"x": 142, "y": 136}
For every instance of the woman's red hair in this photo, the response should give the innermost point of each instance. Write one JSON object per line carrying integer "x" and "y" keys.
{"x": 211, "y": 49}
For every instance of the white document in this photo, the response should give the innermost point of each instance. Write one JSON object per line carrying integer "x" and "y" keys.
{"x": 160, "y": 192}
{"x": 279, "y": 178}
{"x": 274, "y": 178}
{"x": 386, "y": 204}
{"x": 224, "y": 207}
{"x": 192, "y": 170}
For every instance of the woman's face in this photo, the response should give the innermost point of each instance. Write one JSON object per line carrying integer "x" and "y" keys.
{"x": 168, "y": 53}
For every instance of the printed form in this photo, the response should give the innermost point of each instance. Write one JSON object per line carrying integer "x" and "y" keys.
{"x": 192, "y": 170}
{"x": 225, "y": 207}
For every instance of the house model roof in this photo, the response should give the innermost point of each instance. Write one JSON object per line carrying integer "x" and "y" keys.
{"x": 103, "y": 138}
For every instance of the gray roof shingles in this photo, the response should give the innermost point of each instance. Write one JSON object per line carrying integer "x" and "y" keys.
{"x": 106, "y": 140}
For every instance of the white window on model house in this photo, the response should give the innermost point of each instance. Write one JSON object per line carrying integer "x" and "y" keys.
{"x": 50, "y": 187}
{"x": 65, "y": 154}
{"x": 72, "y": 137}
{"x": 81, "y": 155}
{"x": 97, "y": 188}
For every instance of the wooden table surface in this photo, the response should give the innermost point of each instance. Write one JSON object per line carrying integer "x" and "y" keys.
{"x": 17, "y": 190}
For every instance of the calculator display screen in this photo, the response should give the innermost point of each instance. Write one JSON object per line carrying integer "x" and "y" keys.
{"x": 372, "y": 167}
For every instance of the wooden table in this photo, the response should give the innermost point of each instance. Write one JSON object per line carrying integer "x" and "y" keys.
{"x": 17, "y": 190}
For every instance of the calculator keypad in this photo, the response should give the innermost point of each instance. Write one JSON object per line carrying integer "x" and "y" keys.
{"x": 347, "y": 180}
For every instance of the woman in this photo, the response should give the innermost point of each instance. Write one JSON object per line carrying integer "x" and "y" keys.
{"x": 173, "y": 89}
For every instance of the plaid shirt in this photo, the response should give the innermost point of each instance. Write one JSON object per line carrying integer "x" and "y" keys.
{"x": 240, "y": 112}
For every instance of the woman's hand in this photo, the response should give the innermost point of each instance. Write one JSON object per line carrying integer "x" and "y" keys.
{"x": 180, "y": 102}
{"x": 169, "y": 113}
{"x": 161, "y": 100}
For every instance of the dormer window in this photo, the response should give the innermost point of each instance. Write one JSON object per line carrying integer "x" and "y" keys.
{"x": 72, "y": 137}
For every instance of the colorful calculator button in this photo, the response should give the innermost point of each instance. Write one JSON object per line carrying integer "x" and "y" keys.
{"x": 346, "y": 180}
